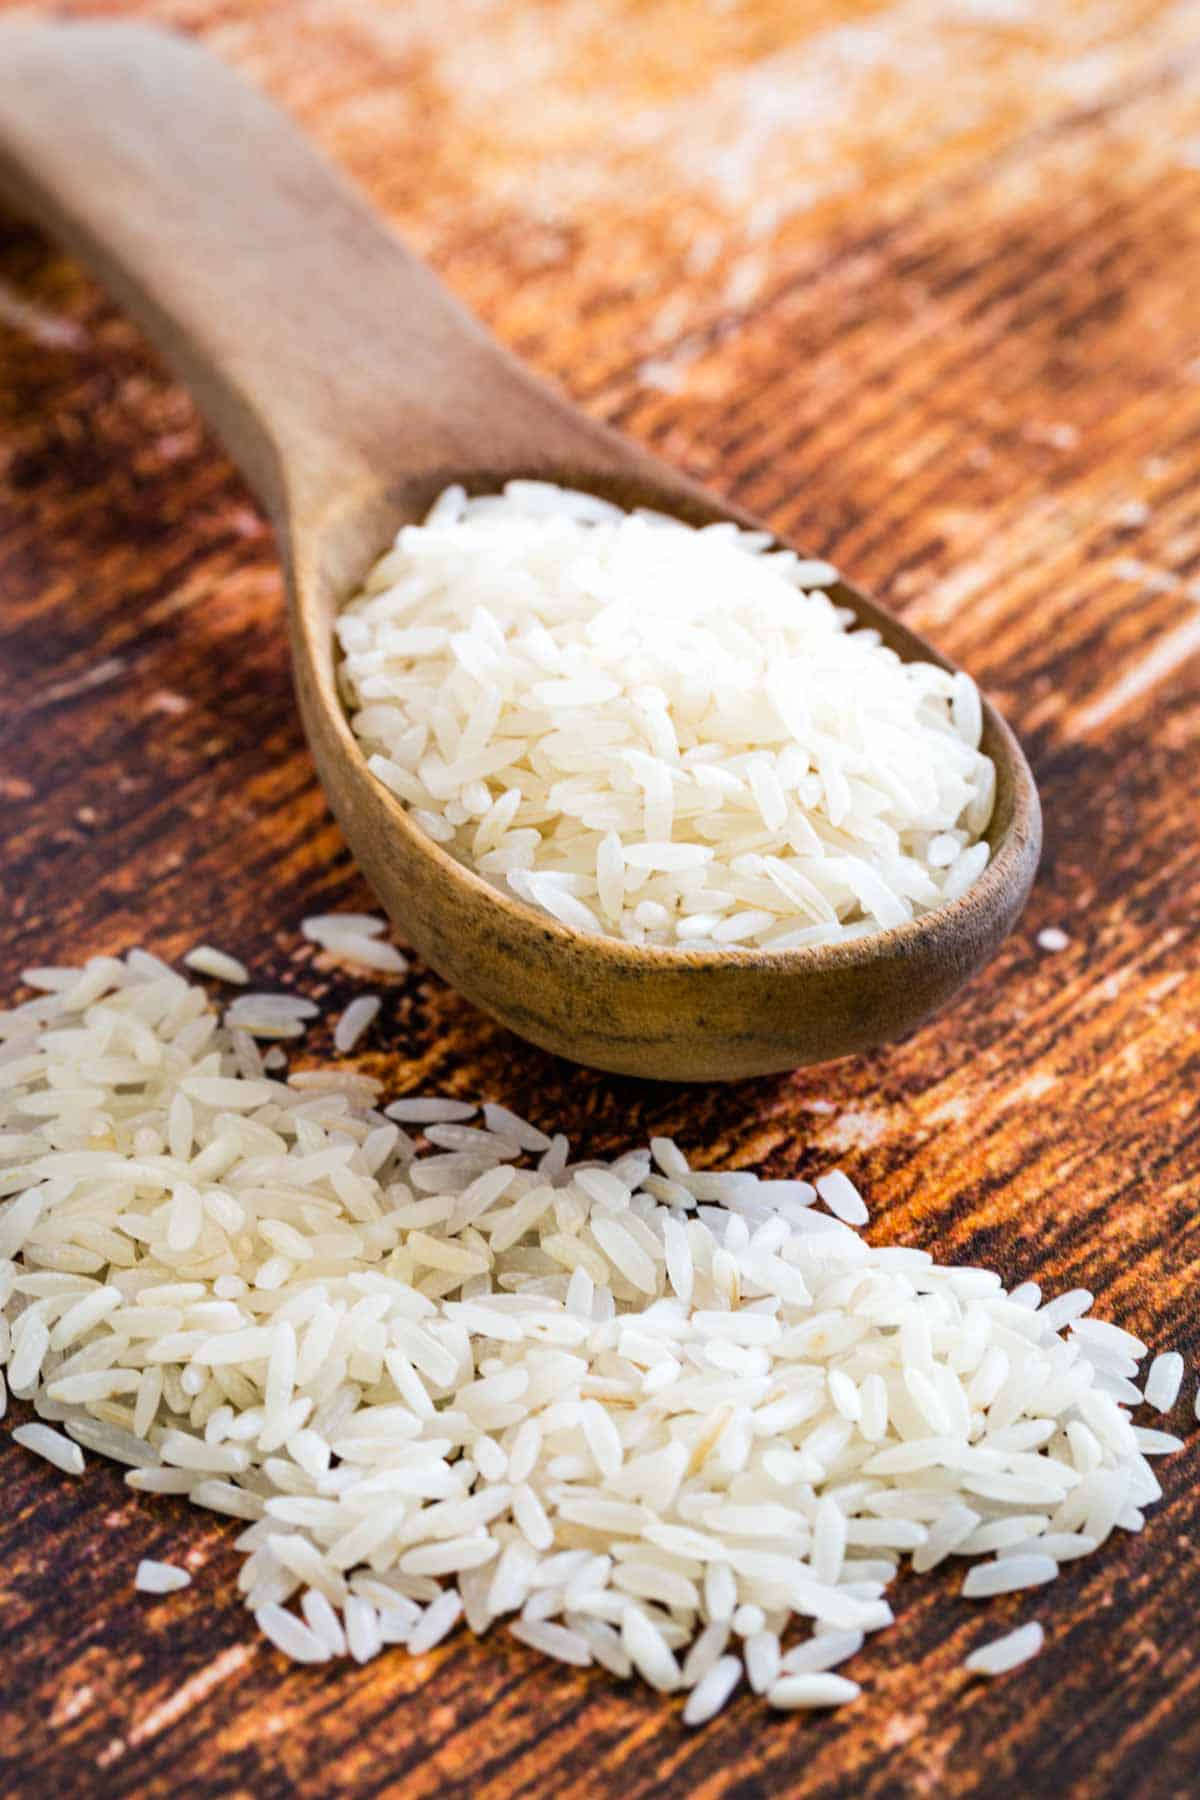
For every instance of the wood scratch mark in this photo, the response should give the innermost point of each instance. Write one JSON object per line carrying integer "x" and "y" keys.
{"x": 71, "y": 1705}
{"x": 854, "y": 1130}
{"x": 192, "y": 1692}
{"x": 1160, "y": 662}
{"x": 41, "y": 327}
{"x": 97, "y": 676}
{"x": 114, "y": 1748}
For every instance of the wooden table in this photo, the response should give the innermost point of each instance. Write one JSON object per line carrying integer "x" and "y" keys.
{"x": 918, "y": 282}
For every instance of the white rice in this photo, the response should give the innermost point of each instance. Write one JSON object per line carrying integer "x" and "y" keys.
{"x": 437, "y": 1622}
{"x": 357, "y": 1019}
{"x": 648, "y": 1650}
{"x": 636, "y": 1410}
{"x": 217, "y": 963}
{"x": 553, "y": 1640}
{"x": 270, "y": 1015}
{"x": 364, "y": 1639}
{"x": 1164, "y": 1381}
{"x": 823, "y": 1652}
{"x": 1008, "y": 1575}
{"x": 432, "y": 1111}
{"x": 354, "y": 939}
{"x": 323, "y": 1619}
{"x": 160, "y": 1578}
{"x": 1052, "y": 937}
{"x": 842, "y": 1197}
{"x": 1005, "y": 1653}
{"x": 287, "y": 1633}
{"x": 706, "y": 1651}
{"x": 44, "y": 1441}
{"x": 1156, "y": 1443}
{"x": 1097, "y": 1335}
{"x": 762, "y": 1657}
{"x": 665, "y": 734}
{"x": 793, "y": 1692}
{"x": 710, "y": 1694}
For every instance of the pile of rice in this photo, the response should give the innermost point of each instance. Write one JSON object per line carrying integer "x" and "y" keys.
{"x": 669, "y": 1421}
{"x": 667, "y": 734}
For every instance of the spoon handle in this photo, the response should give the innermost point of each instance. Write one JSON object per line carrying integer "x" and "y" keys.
{"x": 329, "y": 359}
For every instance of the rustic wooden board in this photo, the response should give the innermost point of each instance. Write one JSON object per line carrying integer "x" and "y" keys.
{"x": 916, "y": 281}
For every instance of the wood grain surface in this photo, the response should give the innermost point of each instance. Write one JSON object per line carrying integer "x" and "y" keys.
{"x": 918, "y": 282}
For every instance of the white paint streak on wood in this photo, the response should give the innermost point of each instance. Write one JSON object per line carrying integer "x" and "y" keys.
{"x": 191, "y": 1693}
{"x": 1169, "y": 654}
{"x": 98, "y": 675}
{"x": 854, "y": 1130}
{"x": 41, "y": 327}
{"x": 1034, "y": 1087}
{"x": 70, "y": 1705}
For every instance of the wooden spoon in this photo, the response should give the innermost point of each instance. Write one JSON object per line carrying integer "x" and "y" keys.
{"x": 350, "y": 388}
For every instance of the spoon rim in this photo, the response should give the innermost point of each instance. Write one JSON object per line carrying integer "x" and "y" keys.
{"x": 992, "y": 885}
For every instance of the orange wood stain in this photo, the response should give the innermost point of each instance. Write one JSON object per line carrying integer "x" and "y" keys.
{"x": 916, "y": 281}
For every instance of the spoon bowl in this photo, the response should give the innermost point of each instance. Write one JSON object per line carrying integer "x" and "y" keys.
{"x": 351, "y": 389}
